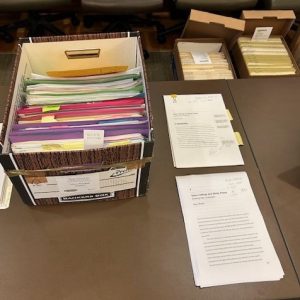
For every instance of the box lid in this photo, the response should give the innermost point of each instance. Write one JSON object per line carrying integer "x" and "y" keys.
{"x": 202, "y": 24}
{"x": 280, "y": 20}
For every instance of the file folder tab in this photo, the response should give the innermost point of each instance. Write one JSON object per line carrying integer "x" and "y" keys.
{"x": 239, "y": 138}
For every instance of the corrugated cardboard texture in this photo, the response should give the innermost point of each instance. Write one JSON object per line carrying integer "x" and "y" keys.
{"x": 280, "y": 20}
{"x": 206, "y": 25}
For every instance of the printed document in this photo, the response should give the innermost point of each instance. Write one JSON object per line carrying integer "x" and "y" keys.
{"x": 5, "y": 186}
{"x": 228, "y": 240}
{"x": 200, "y": 131}
{"x": 5, "y": 189}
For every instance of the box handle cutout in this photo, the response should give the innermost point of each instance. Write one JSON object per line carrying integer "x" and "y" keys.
{"x": 85, "y": 53}
{"x": 271, "y": 18}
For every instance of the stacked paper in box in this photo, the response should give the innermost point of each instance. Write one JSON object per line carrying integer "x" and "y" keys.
{"x": 266, "y": 57}
{"x": 214, "y": 66}
{"x": 77, "y": 113}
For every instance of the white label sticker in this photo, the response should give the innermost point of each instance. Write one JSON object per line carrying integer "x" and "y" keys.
{"x": 93, "y": 139}
{"x": 72, "y": 185}
{"x": 118, "y": 180}
{"x": 201, "y": 58}
{"x": 262, "y": 33}
{"x": 84, "y": 184}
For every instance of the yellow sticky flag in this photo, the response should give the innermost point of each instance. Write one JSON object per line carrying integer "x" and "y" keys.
{"x": 239, "y": 138}
{"x": 72, "y": 146}
{"x": 48, "y": 119}
{"x": 120, "y": 143}
{"x": 229, "y": 115}
{"x": 52, "y": 147}
{"x": 68, "y": 146}
{"x": 49, "y": 108}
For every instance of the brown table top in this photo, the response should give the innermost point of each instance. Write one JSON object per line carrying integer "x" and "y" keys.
{"x": 269, "y": 109}
{"x": 127, "y": 249}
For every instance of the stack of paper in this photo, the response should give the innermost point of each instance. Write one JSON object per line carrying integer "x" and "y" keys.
{"x": 200, "y": 131}
{"x": 266, "y": 57}
{"x": 5, "y": 186}
{"x": 5, "y": 189}
{"x": 76, "y": 113}
{"x": 227, "y": 236}
{"x": 214, "y": 67}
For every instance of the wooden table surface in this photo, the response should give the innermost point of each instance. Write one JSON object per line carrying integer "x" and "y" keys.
{"x": 128, "y": 249}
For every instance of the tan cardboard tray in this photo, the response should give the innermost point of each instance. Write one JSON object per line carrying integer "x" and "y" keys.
{"x": 280, "y": 20}
{"x": 207, "y": 43}
{"x": 207, "y": 25}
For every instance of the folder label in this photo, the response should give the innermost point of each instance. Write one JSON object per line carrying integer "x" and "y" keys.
{"x": 50, "y": 108}
{"x": 229, "y": 115}
{"x": 262, "y": 33}
{"x": 93, "y": 139}
{"x": 48, "y": 119}
{"x": 201, "y": 58}
{"x": 239, "y": 138}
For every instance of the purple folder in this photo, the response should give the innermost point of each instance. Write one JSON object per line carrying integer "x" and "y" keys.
{"x": 23, "y": 127}
{"x": 76, "y": 133}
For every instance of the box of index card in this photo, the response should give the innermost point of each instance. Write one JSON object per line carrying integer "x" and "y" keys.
{"x": 262, "y": 50}
{"x": 202, "y": 51}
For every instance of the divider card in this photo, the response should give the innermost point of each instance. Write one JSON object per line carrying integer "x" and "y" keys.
{"x": 228, "y": 240}
{"x": 200, "y": 131}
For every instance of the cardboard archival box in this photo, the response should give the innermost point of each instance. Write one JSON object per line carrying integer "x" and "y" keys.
{"x": 41, "y": 169}
{"x": 209, "y": 29}
{"x": 204, "y": 45}
{"x": 207, "y": 25}
{"x": 280, "y": 20}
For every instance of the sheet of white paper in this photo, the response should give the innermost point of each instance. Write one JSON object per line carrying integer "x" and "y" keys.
{"x": 5, "y": 189}
{"x": 199, "y": 47}
{"x": 227, "y": 236}
{"x": 5, "y": 186}
{"x": 200, "y": 131}
{"x": 262, "y": 33}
